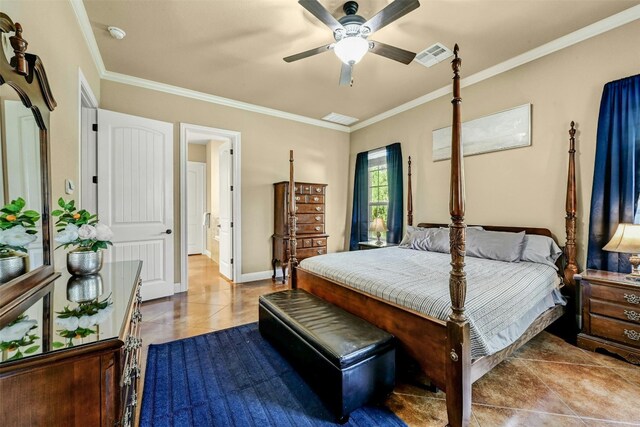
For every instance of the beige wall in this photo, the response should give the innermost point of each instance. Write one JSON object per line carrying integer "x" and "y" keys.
{"x": 523, "y": 186}
{"x": 52, "y": 31}
{"x": 321, "y": 156}
{"x": 197, "y": 153}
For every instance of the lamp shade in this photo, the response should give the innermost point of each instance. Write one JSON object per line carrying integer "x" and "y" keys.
{"x": 625, "y": 240}
{"x": 378, "y": 226}
{"x": 351, "y": 49}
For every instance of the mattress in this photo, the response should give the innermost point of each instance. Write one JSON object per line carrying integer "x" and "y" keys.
{"x": 503, "y": 298}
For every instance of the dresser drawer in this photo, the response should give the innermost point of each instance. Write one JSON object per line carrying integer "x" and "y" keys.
{"x": 320, "y": 242}
{"x": 308, "y": 253}
{"x": 309, "y": 208}
{"x": 310, "y": 228}
{"x": 618, "y": 311}
{"x": 616, "y": 330}
{"x": 314, "y": 198}
{"x": 310, "y": 218}
{"x": 613, "y": 294}
{"x": 316, "y": 189}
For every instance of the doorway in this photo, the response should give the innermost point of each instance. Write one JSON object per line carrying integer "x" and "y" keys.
{"x": 218, "y": 222}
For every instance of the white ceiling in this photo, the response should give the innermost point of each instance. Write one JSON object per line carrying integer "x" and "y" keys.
{"x": 234, "y": 48}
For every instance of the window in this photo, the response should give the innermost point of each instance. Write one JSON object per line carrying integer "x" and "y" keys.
{"x": 378, "y": 188}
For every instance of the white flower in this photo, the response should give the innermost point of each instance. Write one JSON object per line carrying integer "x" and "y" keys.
{"x": 68, "y": 235}
{"x": 86, "y": 321}
{"x": 17, "y": 331}
{"x": 68, "y": 323}
{"x": 87, "y": 232}
{"x": 103, "y": 233}
{"x": 16, "y": 236}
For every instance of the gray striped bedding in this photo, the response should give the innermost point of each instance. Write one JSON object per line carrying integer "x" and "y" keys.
{"x": 503, "y": 298}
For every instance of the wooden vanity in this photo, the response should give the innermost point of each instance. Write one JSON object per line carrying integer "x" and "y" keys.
{"x": 80, "y": 381}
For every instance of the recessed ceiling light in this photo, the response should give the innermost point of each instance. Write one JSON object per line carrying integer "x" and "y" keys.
{"x": 116, "y": 33}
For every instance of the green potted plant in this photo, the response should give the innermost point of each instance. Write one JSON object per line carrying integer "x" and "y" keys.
{"x": 17, "y": 231}
{"x": 81, "y": 229}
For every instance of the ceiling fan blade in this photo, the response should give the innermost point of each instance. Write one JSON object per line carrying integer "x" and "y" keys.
{"x": 391, "y": 52}
{"x": 393, "y": 11}
{"x": 308, "y": 53}
{"x": 321, "y": 13}
{"x": 345, "y": 74}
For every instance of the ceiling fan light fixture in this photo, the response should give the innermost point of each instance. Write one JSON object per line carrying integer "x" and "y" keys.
{"x": 351, "y": 49}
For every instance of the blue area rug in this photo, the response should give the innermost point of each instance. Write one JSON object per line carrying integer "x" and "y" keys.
{"x": 235, "y": 378}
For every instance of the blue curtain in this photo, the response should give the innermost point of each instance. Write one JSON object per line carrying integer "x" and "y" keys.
{"x": 395, "y": 214}
{"x": 616, "y": 179}
{"x": 360, "y": 214}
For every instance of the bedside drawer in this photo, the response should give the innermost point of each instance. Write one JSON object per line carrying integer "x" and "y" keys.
{"x": 309, "y": 208}
{"x": 308, "y": 253}
{"x": 310, "y": 228}
{"x": 618, "y": 311}
{"x": 613, "y": 294}
{"x": 310, "y": 218}
{"x": 616, "y": 330}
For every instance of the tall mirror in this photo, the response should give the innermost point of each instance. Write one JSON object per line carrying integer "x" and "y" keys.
{"x": 25, "y": 225}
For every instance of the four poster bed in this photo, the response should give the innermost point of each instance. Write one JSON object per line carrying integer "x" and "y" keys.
{"x": 447, "y": 345}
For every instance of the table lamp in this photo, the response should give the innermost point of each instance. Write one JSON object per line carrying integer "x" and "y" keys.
{"x": 378, "y": 226}
{"x": 627, "y": 240}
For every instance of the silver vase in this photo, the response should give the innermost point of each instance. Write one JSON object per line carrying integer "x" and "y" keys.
{"x": 81, "y": 262}
{"x": 12, "y": 265}
{"x": 84, "y": 288}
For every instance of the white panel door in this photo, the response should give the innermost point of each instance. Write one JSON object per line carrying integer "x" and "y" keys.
{"x": 196, "y": 174}
{"x": 225, "y": 168}
{"x": 135, "y": 195}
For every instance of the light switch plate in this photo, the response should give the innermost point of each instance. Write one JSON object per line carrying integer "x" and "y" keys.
{"x": 69, "y": 186}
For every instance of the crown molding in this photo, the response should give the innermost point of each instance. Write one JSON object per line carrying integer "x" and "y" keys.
{"x": 592, "y": 30}
{"x": 87, "y": 32}
{"x": 201, "y": 96}
{"x": 595, "y": 29}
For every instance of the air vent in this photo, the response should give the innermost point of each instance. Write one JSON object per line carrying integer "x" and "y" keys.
{"x": 340, "y": 119}
{"x": 433, "y": 55}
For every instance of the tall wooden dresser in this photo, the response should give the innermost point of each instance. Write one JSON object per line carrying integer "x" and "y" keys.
{"x": 310, "y": 231}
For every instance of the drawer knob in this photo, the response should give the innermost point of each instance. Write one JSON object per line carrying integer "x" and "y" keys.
{"x": 632, "y": 298}
{"x": 318, "y": 208}
{"x": 318, "y": 228}
{"x": 319, "y": 251}
{"x": 315, "y": 199}
{"x": 318, "y": 218}
{"x": 297, "y": 198}
{"x": 632, "y": 315}
{"x": 318, "y": 190}
{"x": 632, "y": 335}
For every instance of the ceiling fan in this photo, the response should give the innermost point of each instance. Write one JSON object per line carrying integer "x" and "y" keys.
{"x": 351, "y": 33}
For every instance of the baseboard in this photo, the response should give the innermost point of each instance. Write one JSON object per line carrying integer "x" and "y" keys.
{"x": 259, "y": 275}
{"x": 207, "y": 253}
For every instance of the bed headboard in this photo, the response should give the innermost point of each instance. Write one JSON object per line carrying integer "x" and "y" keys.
{"x": 510, "y": 229}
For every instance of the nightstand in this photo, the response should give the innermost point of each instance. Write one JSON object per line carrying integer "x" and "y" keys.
{"x": 371, "y": 244}
{"x": 611, "y": 314}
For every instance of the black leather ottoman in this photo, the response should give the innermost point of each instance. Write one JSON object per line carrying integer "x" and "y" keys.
{"x": 346, "y": 360}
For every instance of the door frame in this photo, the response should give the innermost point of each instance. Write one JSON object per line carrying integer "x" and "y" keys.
{"x": 87, "y": 99}
{"x": 191, "y": 131}
{"x": 202, "y": 196}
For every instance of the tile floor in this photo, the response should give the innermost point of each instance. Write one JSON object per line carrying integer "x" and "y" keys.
{"x": 546, "y": 383}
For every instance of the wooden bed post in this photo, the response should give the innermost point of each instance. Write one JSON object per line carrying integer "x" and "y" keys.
{"x": 292, "y": 249}
{"x": 458, "y": 384}
{"x": 409, "y": 196}
{"x": 570, "y": 249}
